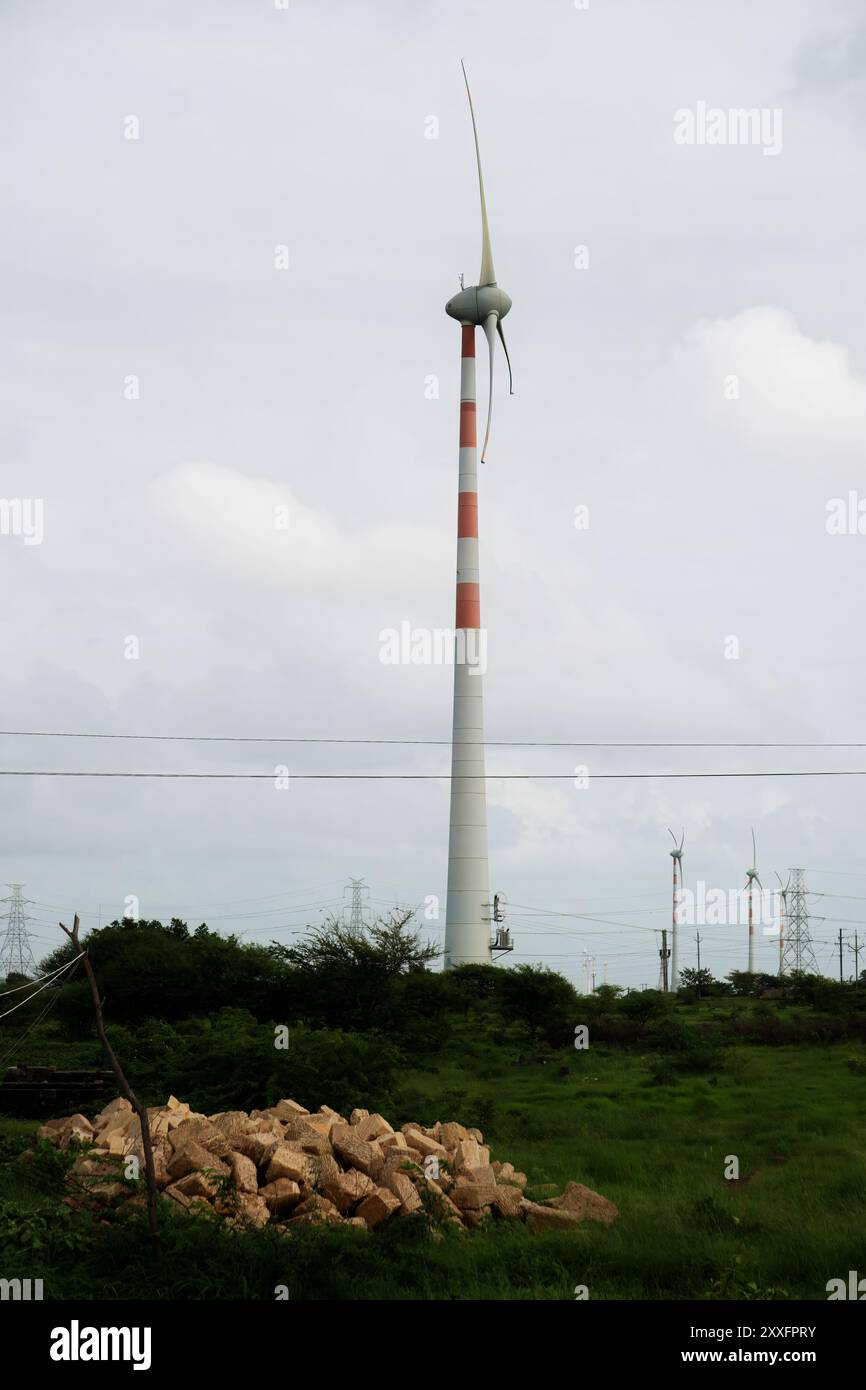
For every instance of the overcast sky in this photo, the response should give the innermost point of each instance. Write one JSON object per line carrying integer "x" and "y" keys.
{"x": 307, "y": 388}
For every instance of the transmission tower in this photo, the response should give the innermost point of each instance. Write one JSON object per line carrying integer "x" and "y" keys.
{"x": 798, "y": 953}
{"x": 357, "y": 918}
{"x": 16, "y": 957}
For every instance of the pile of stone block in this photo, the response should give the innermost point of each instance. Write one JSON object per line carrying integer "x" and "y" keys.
{"x": 291, "y": 1167}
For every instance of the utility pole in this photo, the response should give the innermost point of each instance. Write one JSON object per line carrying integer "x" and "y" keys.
{"x": 698, "y": 940}
{"x": 664, "y": 955}
{"x": 856, "y": 949}
{"x": 841, "y": 978}
{"x": 144, "y": 1122}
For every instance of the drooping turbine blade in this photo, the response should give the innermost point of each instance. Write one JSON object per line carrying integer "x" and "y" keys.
{"x": 486, "y": 275}
{"x": 499, "y": 330}
{"x": 491, "y": 340}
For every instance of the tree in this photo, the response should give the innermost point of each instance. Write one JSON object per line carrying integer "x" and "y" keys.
{"x": 700, "y": 982}
{"x": 543, "y": 998}
{"x": 348, "y": 976}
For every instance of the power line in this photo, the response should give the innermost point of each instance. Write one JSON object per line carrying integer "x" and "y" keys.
{"x": 404, "y": 742}
{"x": 434, "y": 776}
{"x": 47, "y": 985}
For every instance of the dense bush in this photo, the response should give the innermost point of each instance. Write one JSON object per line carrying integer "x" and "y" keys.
{"x": 229, "y": 1061}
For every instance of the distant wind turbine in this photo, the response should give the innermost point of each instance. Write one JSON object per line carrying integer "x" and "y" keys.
{"x": 751, "y": 879}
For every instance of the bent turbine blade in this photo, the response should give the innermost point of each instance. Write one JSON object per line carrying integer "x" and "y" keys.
{"x": 501, "y": 333}
{"x": 486, "y": 275}
{"x": 489, "y": 335}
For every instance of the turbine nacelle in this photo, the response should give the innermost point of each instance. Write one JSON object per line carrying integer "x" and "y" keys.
{"x": 476, "y": 303}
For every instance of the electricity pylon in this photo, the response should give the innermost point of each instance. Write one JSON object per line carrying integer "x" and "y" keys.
{"x": 16, "y": 956}
{"x": 798, "y": 953}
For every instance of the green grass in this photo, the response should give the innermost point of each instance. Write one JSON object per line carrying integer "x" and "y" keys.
{"x": 794, "y": 1117}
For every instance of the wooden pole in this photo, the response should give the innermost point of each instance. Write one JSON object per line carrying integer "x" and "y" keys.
{"x": 150, "y": 1172}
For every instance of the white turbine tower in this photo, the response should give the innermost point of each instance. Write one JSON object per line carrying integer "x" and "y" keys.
{"x": 468, "y": 913}
{"x": 751, "y": 879}
{"x": 677, "y": 857}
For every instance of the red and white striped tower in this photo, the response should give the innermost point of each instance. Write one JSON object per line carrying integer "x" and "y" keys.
{"x": 467, "y": 938}
{"x": 751, "y": 879}
{"x": 468, "y": 914}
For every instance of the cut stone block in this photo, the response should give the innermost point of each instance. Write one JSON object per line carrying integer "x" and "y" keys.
{"x": 506, "y": 1202}
{"x": 76, "y": 1130}
{"x": 243, "y": 1171}
{"x": 404, "y": 1189}
{"x": 195, "y": 1185}
{"x": 378, "y": 1207}
{"x": 287, "y": 1163}
{"x": 287, "y": 1109}
{"x": 372, "y": 1127}
{"x": 467, "y": 1156}
{"x": 282, "y": 1195}
{"x": 258, "y": 1147}
{"x": 119, "y": 1106}
{"x": 318, "y": 1207}
{"x": 394, "y": 1140}
{"x": 253, "y": 1208}
{"x": 352, "y": 1152}
{"x": 585, "y": 1204}
{"x": 424, "y": 1144}
{"x": 51, "y": 1130}
{"x": 473, "y": 1196}
{"x": 539, "y": 1218}
{"x": 203, "y": 1132}
{"x": 451, "y": 1134}
{"x": 348, "y": 1189}
{"x": 191, "y": 1159}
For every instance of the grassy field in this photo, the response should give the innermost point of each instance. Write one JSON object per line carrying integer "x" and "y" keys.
{"x": 794, "y": 1118}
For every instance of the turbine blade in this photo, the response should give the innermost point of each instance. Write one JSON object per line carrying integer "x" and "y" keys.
{"x": 491, "y": 340}
{"x": 500, "y": 331}
{"x": 487, "y": 275}
{"x": 754, "y": 851}
{"x": 673, "y": 836}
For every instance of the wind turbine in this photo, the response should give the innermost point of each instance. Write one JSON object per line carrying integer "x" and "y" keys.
{"x": 677, "y": 857}
{"x": 783, "y": 912}
{"x": 468, "y": 912}
{"x": 751, "y": 879}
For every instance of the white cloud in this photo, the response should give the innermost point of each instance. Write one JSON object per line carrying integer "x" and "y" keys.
{"x": 259, "y": 530}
